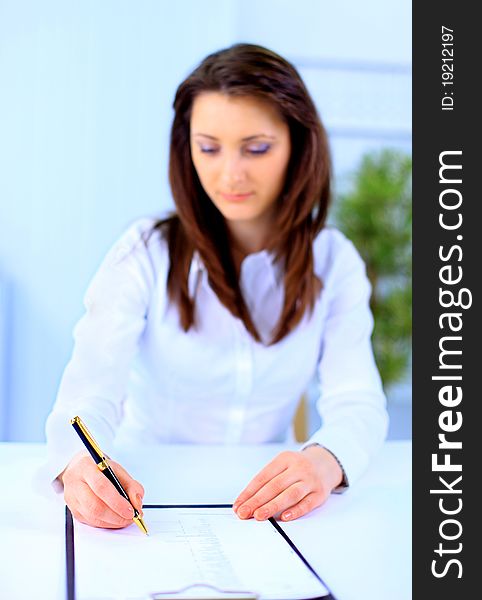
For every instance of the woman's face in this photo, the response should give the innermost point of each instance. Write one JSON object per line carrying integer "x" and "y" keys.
{"x": 240, "y": 148}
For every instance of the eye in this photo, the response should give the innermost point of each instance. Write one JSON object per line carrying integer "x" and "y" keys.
{"x": 208, "y": 149}
{"x": 258, "y": 149}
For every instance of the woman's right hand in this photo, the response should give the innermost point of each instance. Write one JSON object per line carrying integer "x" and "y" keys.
{"x": 93, "y": 499}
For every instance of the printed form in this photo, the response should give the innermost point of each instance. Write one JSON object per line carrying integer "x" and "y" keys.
{"x": 206, "y": 548}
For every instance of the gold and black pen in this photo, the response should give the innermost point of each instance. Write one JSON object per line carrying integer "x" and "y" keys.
{"x": 102, "y": 462}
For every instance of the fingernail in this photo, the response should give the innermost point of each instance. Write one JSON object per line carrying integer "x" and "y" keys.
{"x": 139, "y": 500}
{"x": 235, "y": 506}
{"x": 244, "y": 512}
{"x": 287, "y": 515}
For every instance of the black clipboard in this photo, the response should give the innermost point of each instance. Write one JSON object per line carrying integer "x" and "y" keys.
{"x": 229, "y": 595}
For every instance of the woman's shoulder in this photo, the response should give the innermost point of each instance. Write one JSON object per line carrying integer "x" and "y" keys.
{"x": 140, "y": 252}
{"x": 145, "y": 229}
{"x": 334, "y": 254}
{"x": 144, "y": 236}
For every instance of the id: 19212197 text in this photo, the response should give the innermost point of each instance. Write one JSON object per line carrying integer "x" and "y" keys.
{"x": 447, "y": 68}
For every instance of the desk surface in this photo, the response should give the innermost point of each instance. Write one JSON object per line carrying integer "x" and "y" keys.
{"x": 359, "y": 542}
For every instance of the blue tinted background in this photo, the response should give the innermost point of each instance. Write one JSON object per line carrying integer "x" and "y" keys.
{"x": 85, "y": 110}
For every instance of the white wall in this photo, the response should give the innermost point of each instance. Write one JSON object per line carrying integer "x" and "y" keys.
{"x": 85, "y": 110}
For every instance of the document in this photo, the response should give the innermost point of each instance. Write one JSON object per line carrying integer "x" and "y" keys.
{"x": 205, "y": 552}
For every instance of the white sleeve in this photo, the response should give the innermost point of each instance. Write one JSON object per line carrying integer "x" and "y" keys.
{"x": 106, "y": 339}
{"x": 352, "y": 403}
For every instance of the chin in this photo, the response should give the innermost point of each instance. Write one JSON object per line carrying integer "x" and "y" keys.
{"x": 237, "y": 213}
{"x": 239, "y": 217}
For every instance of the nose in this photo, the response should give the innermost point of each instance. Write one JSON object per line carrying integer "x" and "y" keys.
{"x": 233, "y": 171}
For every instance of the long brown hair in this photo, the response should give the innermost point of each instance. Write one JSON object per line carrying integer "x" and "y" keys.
{"x": 248, "y": 70}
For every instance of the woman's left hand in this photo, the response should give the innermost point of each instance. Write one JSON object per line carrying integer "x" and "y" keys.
{"x": 293, "y": 484}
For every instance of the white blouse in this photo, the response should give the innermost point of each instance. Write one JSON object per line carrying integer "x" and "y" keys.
{"x": 135, "y": 374}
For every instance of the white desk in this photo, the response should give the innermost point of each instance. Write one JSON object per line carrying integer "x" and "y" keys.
{"x": 358, "y": 542}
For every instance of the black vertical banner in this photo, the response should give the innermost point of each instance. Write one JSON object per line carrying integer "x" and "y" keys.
{"x": 447, "y": 242}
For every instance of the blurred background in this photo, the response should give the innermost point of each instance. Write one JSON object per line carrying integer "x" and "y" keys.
{"x": 85, "y": 109}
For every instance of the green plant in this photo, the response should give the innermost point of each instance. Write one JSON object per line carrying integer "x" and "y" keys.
{"x": 376, "y": 214}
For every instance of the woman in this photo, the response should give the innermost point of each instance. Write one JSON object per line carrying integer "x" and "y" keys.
{"x": 206, "y": 327}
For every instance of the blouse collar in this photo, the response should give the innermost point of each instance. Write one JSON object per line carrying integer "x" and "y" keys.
{"x": 251, "y": 265}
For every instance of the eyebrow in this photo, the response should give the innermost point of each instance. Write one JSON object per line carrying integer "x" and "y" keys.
{"x": 246, "y": 139}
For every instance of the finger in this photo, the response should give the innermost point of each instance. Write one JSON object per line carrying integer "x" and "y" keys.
{"x": 98, "y": 523}
{"x": 82, "y": 500}
{"x": 134, "y": 489}
{"x": 271, "y": 470}
{"x": 307, "y": 504}
{"x": 272, "y": 489}
{"x": 286, "y": 499}
{"x": 104, "y": 490}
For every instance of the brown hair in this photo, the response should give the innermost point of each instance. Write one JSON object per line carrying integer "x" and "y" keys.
{"x": 249, "y": 70}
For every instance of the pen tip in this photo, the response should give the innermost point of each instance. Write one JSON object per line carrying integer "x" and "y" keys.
{"x": 140, "y": 523}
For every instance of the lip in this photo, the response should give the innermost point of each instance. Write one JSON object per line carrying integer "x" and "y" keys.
{"x": 236, "y": 197}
